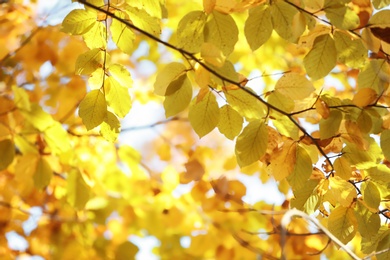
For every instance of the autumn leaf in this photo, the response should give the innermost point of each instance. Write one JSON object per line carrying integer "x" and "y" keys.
{"x": 93, "y": 109}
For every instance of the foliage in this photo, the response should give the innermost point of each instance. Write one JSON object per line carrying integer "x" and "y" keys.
{"x": 292, "y": 92}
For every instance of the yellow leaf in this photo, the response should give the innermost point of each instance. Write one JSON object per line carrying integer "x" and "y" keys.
{"x": 365, "y": 97}
{"x": 330, "y": 127}
{"x": 43, "y": 173}
{"x": 321, "y": 58}
{"x": 258, "y": 26}
{"x": 306, "y": 198}
{"x": 379, "y": 4}
{"x": 282, "y": 160}
{"x": 96, "y": 37}
{"x": 170, "y": 178}
{"x": 294, "y": 86}
{"x": 342, "y": 16}
{"x": 230, "y": 122}
{"x": 93, "y": 109}
{"x": 341, "y": 191}
{"x": 89, "y": 61}
{"x": 79, "y": 21}
{"x": 95, "y": 81}
{"x": 110, "y": 127}
{"x": 350, "y": 51}
{"x": 222, "y": 31}
{"x": 381, "y": 19}
{"x": 118, "y": 97}
{"x": 368, "y": 222}
{"x": 164, "y": 151}
{"x": 170, "y": 79}
{"x": 21, "y": 98}
{"x": 208, "y": 5}
{"x": 194, "y": 171}
{"x": 212, "y": 55}
{"x": 226, "y": 71}
{"x": 281, "y": 101}
{"x": 7, "y": 153}
{"x": 285, "y": 126}
{"x": 204, "y": 114}
{"x": 179, "y": 100}
{"x": 125, "y": 251}
{"x": 251, "y": 144}
{"x": 121, "y": 75}
{"x": 38, "y": 118}
{"x": 122, "y": 35}
{"x": 342, "y": 223}
{"x": 143, "y": 20}
{"x": 287, "y": 20}
{"x": 302, "y": 169}
{"x": 343, "y": 168}
{"x": 374, "y": 75}
{"x": 244, "y": 103}
{"x": 57, "y": 138}
{"x": 385, "y": 143}
{"x": 153, "y": 7}
{"x": 371, "y": 195}
{"x": 190, "y": 31}
{"x": 78, "y": 191}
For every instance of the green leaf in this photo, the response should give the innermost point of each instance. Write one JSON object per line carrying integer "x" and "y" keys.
{"x": 122, "y": 35}
{"x": 43, "y": 174}
{"x": 343, "y": 168}
{"x": 121, "y": 75}
{"x": 351, "y": 51}
{"x": 170, "y": 79}
{"x": 179, "y": 100}
{"x": 371, "y": 195}
{"x": 78, "y": 191}
{"x": 251, "y": 144}
{"x": 244, "y": 103}
{"x": 230, "y": 122}
{"x": 190, "y": 31}
{"x": 204, "y": 114}
{"x": 302, "y": 169}
{"x": 7, "y": 153}
{"x": 110, "y": 128}
{"x": 79, "y": 21}
{"x": 294, "y": 86}
{"x": 143, "y": 20}
{"x": 258, "y": 26}
{"x": 89, "y": 61}
{"x": 374, "y": 75}
{"x": 342, "y": 223}
{"x": 341, "y": 16}
{"x": 368, "y": 222}
{"x": 321, "y": 58}
{"x": 306, "y": 198}
{"x": 96, "y": 37}
{"x": 330, "y": 126}
{"x": 222, "y": 31}
{"x": 118, "y": 97}
{"x": 93, "y": 109}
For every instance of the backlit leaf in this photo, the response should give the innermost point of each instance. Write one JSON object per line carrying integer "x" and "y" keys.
{"x": 43, "y": 173}
{"x": 251, "y": 144}
{"x": 258, "y": 26}
{"x": 343, "y": 168}
{"x": 282, "y": 161}
{"x": 281, "y": 101}
{"x": 379, "y": 4}
{"x": 143, "y": 20}
{"x": 204, "y": 114}
{"x": 368, "y": 222}
{"x": 385, "y": 143}
{"x": 230, "y": 122}
{"x": 342, "y": 16}
{"x": 122, "y": 35}
{"x": 179, "y": 100}
{"x": 7, "y": 153}
{"x": 306, "y": 198}
{"x": 21, "y": 98}
{"x": 341, "y": 192}
{"x": 302, "y": 169}
{"x": 96, "y": 37}
{"x": 110, "y": 127}
{"x": 89, "y": 61}
{"x": 222, "y": 31}
{"x": 190, "y": 31}
{"x": 371, "y": 195}
{"x": 78, "y": 191}
{"x": 374, "y": 75}
{"x": 365, "y": 97}
{"x": 212, "y": 55}
{"x": 321, "y": 58}
{"x": 294, "y": 86}
{"x": 121, "y": 75}
{"x": 350, "y": 51}
{"x": 244, "y": 103}
{"x": 342, "y": 223}
{"x": 118, "y": 97}
{"x": 287, "y": 21}
{"x": 330, "y": 127}
{"x": 93, "y": 109}
{"x": 79, "y": 21}
{"x": 169, "y": 80}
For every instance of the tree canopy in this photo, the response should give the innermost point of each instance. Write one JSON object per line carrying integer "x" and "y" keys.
{"x": 146, "y": 119}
